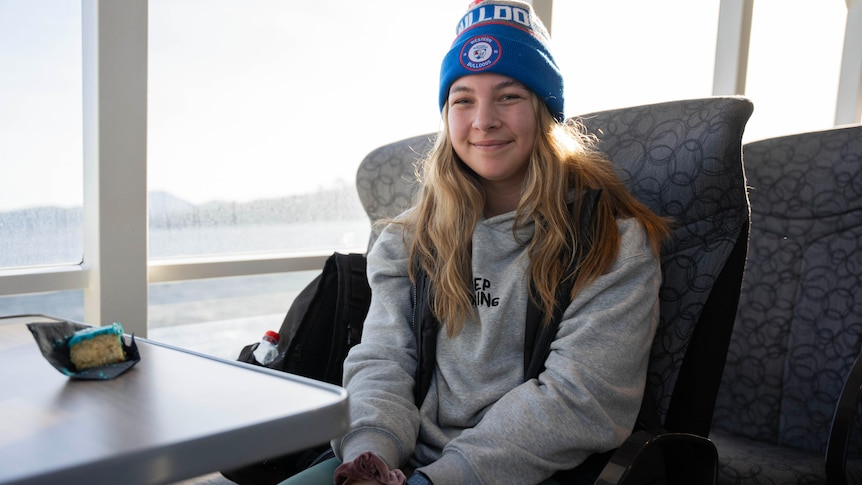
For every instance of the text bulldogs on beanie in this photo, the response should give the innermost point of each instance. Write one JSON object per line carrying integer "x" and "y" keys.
{"x": 504, "y": 37}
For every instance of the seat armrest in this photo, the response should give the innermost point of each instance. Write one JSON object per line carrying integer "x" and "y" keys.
{"x": 657, "y": 456}
{"x": 842, "y": 424}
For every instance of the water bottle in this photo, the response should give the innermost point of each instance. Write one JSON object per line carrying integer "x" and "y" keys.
{"x": 267, "y": 349}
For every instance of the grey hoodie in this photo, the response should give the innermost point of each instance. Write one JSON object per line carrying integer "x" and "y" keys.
{"x": 480, "y": 423}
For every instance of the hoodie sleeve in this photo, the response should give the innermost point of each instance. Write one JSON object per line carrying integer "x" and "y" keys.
{"x": 587, "y": 399}
{"x": 379, "y": 371}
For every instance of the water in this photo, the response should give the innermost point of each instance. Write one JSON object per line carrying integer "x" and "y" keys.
{"x": 39, "y": 246}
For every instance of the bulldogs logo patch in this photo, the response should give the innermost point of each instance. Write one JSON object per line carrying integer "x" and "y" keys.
{"x": 480, "y": 52}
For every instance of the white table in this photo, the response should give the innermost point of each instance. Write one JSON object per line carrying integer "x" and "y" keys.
{"x": 175, "y": 415}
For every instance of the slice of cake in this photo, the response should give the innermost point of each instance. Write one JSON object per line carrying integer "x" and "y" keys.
{"x": 97, "y": 346}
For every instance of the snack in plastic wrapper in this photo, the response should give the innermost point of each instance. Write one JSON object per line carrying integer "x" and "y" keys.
{"x": 53, "y": 340}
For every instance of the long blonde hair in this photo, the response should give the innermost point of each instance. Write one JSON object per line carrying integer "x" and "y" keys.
{"x": 450, "y": 202}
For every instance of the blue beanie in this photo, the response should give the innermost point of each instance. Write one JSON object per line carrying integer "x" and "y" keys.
{"x": 504, "y": 37}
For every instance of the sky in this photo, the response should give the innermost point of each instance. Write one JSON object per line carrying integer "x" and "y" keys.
{"x": 246, "y": 99}
{"x": 266, "y": 98}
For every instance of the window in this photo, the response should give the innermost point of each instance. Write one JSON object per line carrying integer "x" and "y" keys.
{"x": 630, "y": 52}
{"x": 260, "y": 112}
{"x": 793, "y": 66}
{"x": 218, "y": 316}
{"x": 41, "y": 187}
{"x": 61, "y": 304}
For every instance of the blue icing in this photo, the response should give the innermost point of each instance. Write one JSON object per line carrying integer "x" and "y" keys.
{"x": 88, "y": 333}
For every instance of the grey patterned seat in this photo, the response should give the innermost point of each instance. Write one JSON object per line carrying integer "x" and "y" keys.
{"x": 798, "y": 329}
{"x": 684, "y": 160}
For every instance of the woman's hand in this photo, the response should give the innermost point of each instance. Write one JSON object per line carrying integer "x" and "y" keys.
{"x": 368, "y": 469}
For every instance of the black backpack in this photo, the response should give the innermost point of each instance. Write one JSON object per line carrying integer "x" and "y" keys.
{"x": 323, "y": 323}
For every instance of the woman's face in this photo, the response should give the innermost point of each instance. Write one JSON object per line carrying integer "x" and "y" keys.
{"x": 492, "y": 125}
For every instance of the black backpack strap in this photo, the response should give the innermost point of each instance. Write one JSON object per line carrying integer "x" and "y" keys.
{"x": 538, "y": 337}
{"x": 354, "y": 295}
{"x": 425, "y": 328}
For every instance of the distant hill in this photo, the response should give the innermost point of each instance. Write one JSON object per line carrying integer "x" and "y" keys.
{"x": 36, "y": 218}
{"x": 163, "y": 203}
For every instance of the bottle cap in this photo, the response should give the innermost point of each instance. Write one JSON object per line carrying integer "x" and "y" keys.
{"x": 272, "y": 335}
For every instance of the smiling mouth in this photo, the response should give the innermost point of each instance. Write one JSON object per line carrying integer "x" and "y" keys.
{"x": 490, "y": 143}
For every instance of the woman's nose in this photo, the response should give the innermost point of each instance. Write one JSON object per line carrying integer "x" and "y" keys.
{"x": 487, "y": 117}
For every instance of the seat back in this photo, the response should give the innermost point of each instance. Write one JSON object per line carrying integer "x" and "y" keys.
{"x": 684, "y": 160}
{"x": 799, "y": 324}
{"x": 386, "y": 179}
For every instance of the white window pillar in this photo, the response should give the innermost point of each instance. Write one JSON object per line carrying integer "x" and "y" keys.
{"x": 544, "y": 9}
{"x": 849, "y": 104}
{"x": 731, "y": 47}
{"x": 115, "y": 175}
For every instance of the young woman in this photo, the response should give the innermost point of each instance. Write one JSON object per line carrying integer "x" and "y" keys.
{"x": 498, "y": 211}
